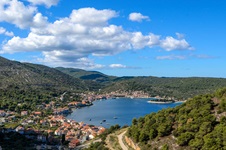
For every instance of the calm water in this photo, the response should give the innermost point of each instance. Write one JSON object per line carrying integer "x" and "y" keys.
{"x": 125, "y": 109}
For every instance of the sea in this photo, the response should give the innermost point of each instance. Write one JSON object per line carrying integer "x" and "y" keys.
{"x": 119, "y": 111}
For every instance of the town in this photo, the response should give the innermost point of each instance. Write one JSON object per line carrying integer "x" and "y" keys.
{"x": 52, "y": 130}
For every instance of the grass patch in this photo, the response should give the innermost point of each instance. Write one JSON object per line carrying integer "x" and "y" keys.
{"x": 11, "y": 125}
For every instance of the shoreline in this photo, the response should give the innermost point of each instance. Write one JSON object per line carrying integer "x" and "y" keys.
{"x": 159, "y": 102}
{"x": 164, "y": 102}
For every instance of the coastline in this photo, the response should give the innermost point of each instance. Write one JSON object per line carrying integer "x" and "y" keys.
{"x": 160, "y": 102}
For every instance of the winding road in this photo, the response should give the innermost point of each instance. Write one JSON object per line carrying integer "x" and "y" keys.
{"x": 120, "y": 136}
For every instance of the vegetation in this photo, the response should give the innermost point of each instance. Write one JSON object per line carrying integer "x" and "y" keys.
{"x": 180, "y": 88}
{"x": 101, "y": 145}
{"x": 24, "y": 86}
{"x": 14, "y": 140}
{"x": 200, "y": 123}
{"x": 196, "y": 124}
{"x": 27, "y": 76}
{"x": 87, "y": 75}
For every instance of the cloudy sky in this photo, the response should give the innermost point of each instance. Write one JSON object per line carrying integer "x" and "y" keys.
{"x": 124, "y": 38}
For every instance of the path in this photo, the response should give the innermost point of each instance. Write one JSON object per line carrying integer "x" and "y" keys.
{"x": 120, "y": 136}
{"x": 87, "y": 144}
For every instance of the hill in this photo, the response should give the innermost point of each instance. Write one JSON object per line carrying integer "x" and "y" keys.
{"x": 26, "y": 75}
{"x": 87, "y": 75}
{"x": 200, "y": 123}
{"x": 180, "y": 88}
{"x": 26, "y": 85}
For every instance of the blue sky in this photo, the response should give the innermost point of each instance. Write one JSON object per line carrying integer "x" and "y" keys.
{"x": 124, "y": 38}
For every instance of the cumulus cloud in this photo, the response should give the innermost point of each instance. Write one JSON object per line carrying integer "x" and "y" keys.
{"x": 15, "y": 12}
{"x": 171, "y": 57}
{"x": 138, "y": 17}
{"x": 69, "y": 41}
{"x": 7, "y": 33}
{"x": 63, "y": 58}
{"x": 47, "y": 3}
{"x": 170, "y": 43}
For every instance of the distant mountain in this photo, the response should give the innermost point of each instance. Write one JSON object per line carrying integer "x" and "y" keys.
{"x": 199, "y": 123}
{"x": 87, "y": 75}
{"x": 27, "y": 75}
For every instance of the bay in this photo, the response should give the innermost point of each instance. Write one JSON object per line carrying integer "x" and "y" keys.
{"x": 116, "y": 111}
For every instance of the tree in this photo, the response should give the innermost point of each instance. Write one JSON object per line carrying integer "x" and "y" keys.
{"x": 184, "y": 138}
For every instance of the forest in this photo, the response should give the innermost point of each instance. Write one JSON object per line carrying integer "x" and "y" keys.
{"x": 200, "y": 123}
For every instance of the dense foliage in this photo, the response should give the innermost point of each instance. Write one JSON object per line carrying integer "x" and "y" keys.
{"x": 180, "y": 88}
{"x": 199, "y": 124}
{"x": 24, "y": 86}
{"x": 87, "y": 75}
{"x": 15, "y": 141}
{"x": 16, "y": 99}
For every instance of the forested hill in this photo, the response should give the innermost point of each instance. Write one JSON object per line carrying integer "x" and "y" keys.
{"x": 180, "y": 88}
{"x": 200, "y": 123}
{"x": 26, "y": 75}
{"x": 32, "y": 76}
{"x": 87, "y": 75}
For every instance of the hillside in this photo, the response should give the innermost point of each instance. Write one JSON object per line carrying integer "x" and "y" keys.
{"x": 26, "y": 75}
{"x": 200, "y": 123}
{"x": 87, "y": 75}
{"x": 25, "y": 85}
{"x": 180, "y": 88}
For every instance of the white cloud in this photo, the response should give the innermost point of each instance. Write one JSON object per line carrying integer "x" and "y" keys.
{"x": 15, "y": 12}
{"x": 7, "y": 33}
{"x": 2, "y": 30}
{"x": 138, "y": 17}
{"x": 171, "y": 43}
{"x": 92, "y": 16}
{"x": 182, "y": 57}
{"x": 68, "y": 59}
{"x": 117, "y": 66}
{"x": 69, "y": 41}
{"x": 47, "y": 3}
{"x": 140, "y": 41}
{"x": 171, "y": 57}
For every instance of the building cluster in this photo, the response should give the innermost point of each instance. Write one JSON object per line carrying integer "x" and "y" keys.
{"x": 54, "y": 129}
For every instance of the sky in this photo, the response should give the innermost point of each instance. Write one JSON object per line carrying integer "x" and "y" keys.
{"x": 164, "y": 38}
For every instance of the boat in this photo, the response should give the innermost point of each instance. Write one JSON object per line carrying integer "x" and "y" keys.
{"x": 104, "y": 120}
{"x": 115, "y": 118}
